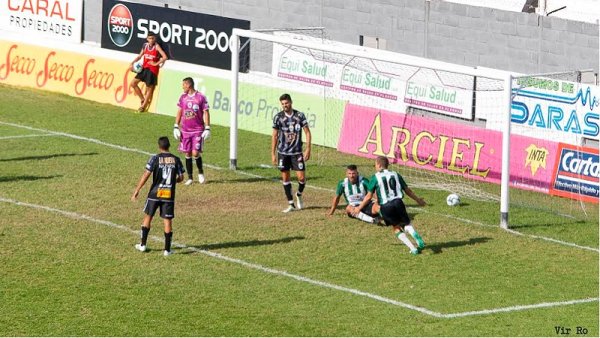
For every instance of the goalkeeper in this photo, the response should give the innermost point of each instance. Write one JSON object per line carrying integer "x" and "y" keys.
{"x": 354, "y": 188}
{"x": 192, "y": 128}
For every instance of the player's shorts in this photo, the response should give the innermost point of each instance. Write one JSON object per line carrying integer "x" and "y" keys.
{"x": 191, "y": 141}
{"x": 367, "y": 210}
{"x": 394, "y": 213}
{"x": 147, "y": 77}
{"x": 293, "y": 162}
{"x": 167, "y": 208}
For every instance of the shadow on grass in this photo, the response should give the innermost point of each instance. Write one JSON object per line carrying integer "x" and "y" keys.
{"x": 437, "y": 248}
{"x": 560, "y": 222}
{"x": 26, "y": 178}
{"x": 241, "y": 244}
{"x": 250, "y": 179}
{"x": 241, "y": 180}
{"x": 43, "y": 157}
{"x": 317, "y": 207}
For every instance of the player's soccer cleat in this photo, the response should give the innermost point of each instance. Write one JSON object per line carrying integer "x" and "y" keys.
{"x": 289, "y": 208}
{"x": 414, "y": 252}
{"x": 167, "y": 253}
{"x": 189, "y": 181}
{"x": 420, "y": 242}
{"x": 299, "y": 202}
{"x": 201, "y": 178}
{"x": 140, "y": 247}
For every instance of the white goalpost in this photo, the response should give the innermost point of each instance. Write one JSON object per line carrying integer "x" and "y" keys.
{"x": 428, "y": 116}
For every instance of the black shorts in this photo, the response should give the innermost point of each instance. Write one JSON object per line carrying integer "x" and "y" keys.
{"x": 394, "y": 213}
{"x": 367, "y": 210}
{"x": 147, "y": 77}
{"x": 167, "y": 208}
{"x": 293, "y": 162}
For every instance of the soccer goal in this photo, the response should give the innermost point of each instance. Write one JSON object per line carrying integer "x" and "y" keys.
{"x": 443, "y": 126}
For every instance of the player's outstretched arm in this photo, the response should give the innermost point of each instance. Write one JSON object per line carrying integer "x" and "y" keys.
{"x": 176, "y": 127}
{"x": 141, "y": 183}
{"x": 334, "y": 204}
{"x": 414, "y": 196}
{"x": 274, "y": 146}
{"x": 206, "y": 132}
{"x": 308, "y": 143}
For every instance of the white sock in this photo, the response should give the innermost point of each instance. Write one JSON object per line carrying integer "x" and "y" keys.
{"x": 410, "y": 230}
{"x": 363, "y": 217}
{"x": 413, "y": 233}
{"x": 402, "y": 236}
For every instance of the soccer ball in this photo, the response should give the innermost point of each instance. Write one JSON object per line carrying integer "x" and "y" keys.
{"x": 137, "y": 67}
{"x": 453, "y": 200}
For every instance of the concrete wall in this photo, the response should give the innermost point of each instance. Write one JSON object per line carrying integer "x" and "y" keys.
{"x": 462, "y": 34}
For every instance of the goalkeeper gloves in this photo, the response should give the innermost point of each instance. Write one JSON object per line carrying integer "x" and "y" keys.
{"x": 176, "y": 132}
{"x": 206, "y": 134}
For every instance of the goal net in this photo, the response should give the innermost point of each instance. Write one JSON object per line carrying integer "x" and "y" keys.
{"x": 440, "y": 124}
{"x": 556, "y": 119}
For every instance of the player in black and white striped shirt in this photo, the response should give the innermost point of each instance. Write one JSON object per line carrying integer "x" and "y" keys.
{"x": 286, "y": 148}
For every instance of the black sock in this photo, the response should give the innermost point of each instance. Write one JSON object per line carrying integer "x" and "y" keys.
{"x": 168, "y": 237}
{"x": 144, "y": 235}
{"x": 188, "y": 166}
{"x": 199, "y": 164}
{"x": 301, "y": 185}
{"x": 288, "y": 192}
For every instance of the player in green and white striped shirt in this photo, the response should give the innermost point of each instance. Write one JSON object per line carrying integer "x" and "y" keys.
{"x": 354, "y": 188}
{"x": 390, "y": 188}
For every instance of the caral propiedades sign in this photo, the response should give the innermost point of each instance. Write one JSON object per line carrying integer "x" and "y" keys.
{"x": 196, "y": 38}
{"x": 43, "y": 19}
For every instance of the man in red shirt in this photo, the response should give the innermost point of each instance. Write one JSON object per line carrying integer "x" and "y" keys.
{"x": 153, "y": 58}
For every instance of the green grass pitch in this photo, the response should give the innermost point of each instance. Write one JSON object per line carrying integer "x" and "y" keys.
{"x": 242, "y": 268}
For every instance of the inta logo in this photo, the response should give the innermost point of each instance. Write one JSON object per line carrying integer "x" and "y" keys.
{"x": 120, "y": 25}
{"x": 536, "y": 158}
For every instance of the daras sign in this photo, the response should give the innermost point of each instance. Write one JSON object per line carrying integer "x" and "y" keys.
{"x": 93, "y": 78}
{"x": 556, "y": 110}
{"x": 54, "y": 19}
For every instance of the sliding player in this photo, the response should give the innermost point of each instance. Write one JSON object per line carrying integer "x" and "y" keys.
{"x": 354, "y": 188}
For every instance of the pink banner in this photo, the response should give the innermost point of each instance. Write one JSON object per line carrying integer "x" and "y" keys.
{"x": 453, "y": 148}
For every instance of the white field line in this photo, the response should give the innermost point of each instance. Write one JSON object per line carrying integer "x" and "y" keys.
{"x": 265, "y": 269}
{"x": 254, "y": 266}
{"x": 274, "y": 180}
{"x": 25, "y": 136}
{"x": 520, "y": 308}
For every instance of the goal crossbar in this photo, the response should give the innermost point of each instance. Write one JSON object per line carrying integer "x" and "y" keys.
{"x": 376, "y": 55}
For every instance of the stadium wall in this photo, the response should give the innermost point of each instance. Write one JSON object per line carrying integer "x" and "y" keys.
{"x": 456, "y": 33}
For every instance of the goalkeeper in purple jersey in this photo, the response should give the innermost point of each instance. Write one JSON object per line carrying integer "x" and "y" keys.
{"x": 354, "y": 189}
{"x": 286, "y": 149}
{"x": 390, "y": 188}
{"x": 166, "y": 170}
{"x": 192, "y": 128}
